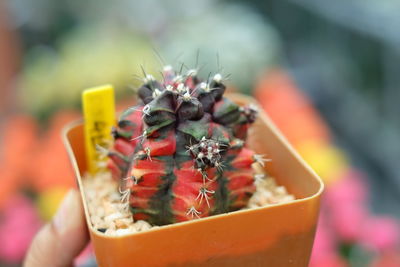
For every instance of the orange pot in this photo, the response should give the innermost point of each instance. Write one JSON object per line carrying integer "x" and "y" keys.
{"x": 276, "y": 235}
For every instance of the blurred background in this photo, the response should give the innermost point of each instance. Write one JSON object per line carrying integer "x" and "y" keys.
{"x": 325, "y": 71}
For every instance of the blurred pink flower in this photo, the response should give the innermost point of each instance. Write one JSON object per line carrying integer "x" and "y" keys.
{"x": 347, "y": 220}
{"x": 349, "y": 189}
{"x": 328, "y": 260}
{"x": 381, "y": 234}
{"x": 84, "y": 256}
{"x": 345, "y": 203}
{"x": 20, "y": 223}
{"x": 387, "y": 259}
{"x": 324, "y": 242}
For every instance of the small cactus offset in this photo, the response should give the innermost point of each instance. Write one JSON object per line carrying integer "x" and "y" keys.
{"x": 180, "y": 154}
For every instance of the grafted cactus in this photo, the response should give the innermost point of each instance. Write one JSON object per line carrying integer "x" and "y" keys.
{"x": 180, "y": 154}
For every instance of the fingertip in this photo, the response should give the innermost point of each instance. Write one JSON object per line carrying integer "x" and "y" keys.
{"x": 61, "y": 240}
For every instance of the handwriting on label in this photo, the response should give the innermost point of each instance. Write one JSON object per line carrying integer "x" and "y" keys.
{"x": 99, "y": 117}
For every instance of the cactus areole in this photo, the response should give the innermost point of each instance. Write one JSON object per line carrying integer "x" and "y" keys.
{"x": 181, "y": 154}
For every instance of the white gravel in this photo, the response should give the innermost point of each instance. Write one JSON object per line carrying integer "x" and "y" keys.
{"x": 113, "y": 218}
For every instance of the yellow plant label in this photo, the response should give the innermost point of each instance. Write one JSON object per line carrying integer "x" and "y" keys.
{"x": 99, "y": 117}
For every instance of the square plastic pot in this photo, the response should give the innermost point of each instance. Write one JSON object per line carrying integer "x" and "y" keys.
{"x": 275, "y": 235}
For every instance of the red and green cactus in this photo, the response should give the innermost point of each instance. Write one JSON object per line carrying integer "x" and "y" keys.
{"x": 180, "y": 154}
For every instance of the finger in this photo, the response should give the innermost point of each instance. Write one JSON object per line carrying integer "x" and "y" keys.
{"x": 60, "y": 241}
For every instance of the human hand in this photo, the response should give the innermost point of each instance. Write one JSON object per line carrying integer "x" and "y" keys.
{"x": 61, "y": 240}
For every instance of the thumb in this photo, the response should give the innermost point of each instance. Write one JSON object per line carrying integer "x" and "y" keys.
{"x": 59, "y": 242}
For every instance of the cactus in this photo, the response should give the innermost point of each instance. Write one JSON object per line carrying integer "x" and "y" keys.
{"x": 180, "y": 154}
